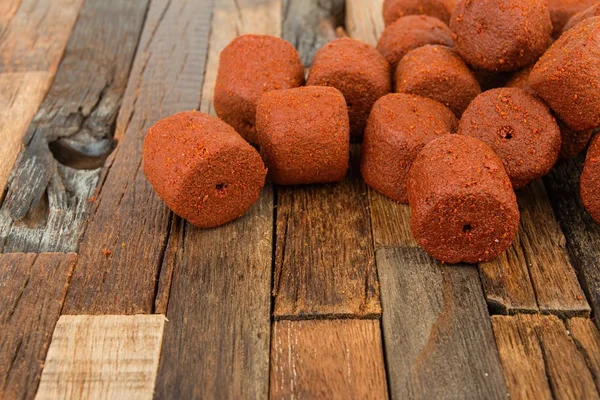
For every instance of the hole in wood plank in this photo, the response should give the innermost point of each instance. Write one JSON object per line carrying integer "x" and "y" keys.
{"x": 86, "y": 153}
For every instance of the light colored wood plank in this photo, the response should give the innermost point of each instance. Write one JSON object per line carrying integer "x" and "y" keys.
{"x": 8, "y": 8}
{"x": 215, "y": 283}
{"x": 102, "y": 357}
{"x": 522, "y": 358}
{"x": 329, "y": 359}
{"x": 529, "y": 342}
{"x": 587, "y": 338}
{"x": 364, "y": 20}
{"x": 438, "y": 337}
{"x": 128, "y": 219}
{"x": 36, "y": 36}
{"x": 325, "y": 264}
{"x": 20, "y": 97}
{"x": 76, "y": 121}
{"x": 581, "y": 232}
{"x": 32, "y": 291}
{"x": 554, "y": 280}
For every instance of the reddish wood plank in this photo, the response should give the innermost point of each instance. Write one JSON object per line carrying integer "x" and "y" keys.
{"x": 324, "y": 264}
{"x": 530, "y": 344}
{"x": 128, "y": 219}
{"x": 76, "y": 121}
{"x": 438, "y": 337}
{"x": 32, "y": 291}
{"x": 36, "y": 36}
{"x": 339, "y": 359}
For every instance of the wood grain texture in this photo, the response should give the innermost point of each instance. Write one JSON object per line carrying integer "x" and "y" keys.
{"x": 309, "y": 24}
{"x": 32, "y": 291}
{"x": 76, "y": 121}
{"x": 325, "y": 265}
{"x": 339, "y": 359}
{"x": 522, "y": 358}
{"x": 217, "y": 296}
{"x": 530, "y": 344}
{"x": 8, "y": 8}
{"x": 391, "y": 222}
{"x": 36, "y": 36}
{"x": 219, "y": 310}
{"x": 127, "y": 218}
{"x": 437, "y": 333}
{"x": 535, "y": 273}
{"x": 507, "y": 283}
{"x": 581, "y": 232}
{"x": 20, "y": 97}
{"x": 587, "y": 338}
{"x": 364, "y": 20}
{"x": 102, "y": 357}
{"x": 554, "y": 280}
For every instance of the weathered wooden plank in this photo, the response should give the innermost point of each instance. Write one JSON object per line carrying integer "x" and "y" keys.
{"x": 76, "y": 121}
{"x": 587, "y": 338}
{"x": 554, "y": 280}
{"x": 20, "y": 96}
{"x": 309, "y": 24}
{"x": 127, "y": 230}
{"x": 532, "y": 344}
{"x": 219, "y": 300}
{"x": 8, "y": 8}
{"x": 538, "y": 259}
{"x": 324, "y": 263}
{"x": 391, "y": 222}
{"x": 438, "y": 337}
{"x": 32, "y": 291}
{"x": 36, "y": 36}
{"x": 330, "y": 359}
{"x": 507, "y": 283}
{"x": 522, "y": 358}
{"x": 581, "y": 232}
{"x": 219, "y": 310}
{"x": 102, "y": 357}
{"x": 364, "y": 20}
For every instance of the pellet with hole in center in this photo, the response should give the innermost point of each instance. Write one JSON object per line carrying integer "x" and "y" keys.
{"x": 463, "y": 208}
{"x": 202, "y": 168}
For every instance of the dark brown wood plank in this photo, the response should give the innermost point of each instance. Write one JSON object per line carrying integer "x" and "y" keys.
{"x": 217, "y": 297}
{"x": 36, "y": 36}
{"x": 581, "y": 232}
{"x": 339, "y": 359}
{"x": 391, "y": 222}
{"x": 522, "y": 358}
{"x": 76, "y": 121}
{"x": 535, "y": 273}
{"x": 587, "y": 338}
{"x": 528, "y": 343}
{"x": 325, "y": 266}
{"x": 438, "y": 337}
{"x": 219, "y": 311}
{"x": 309, "y": 24}
{"x": 32, "y": 291}
{"x": 125, "y": 239}
{"x": 507, "y": 283}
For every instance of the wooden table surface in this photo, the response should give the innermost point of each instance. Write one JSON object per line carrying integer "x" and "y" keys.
{"x": 317, "y": 292}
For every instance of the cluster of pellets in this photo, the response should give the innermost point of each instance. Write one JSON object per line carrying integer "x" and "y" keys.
{"x": 431, "y": 136}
